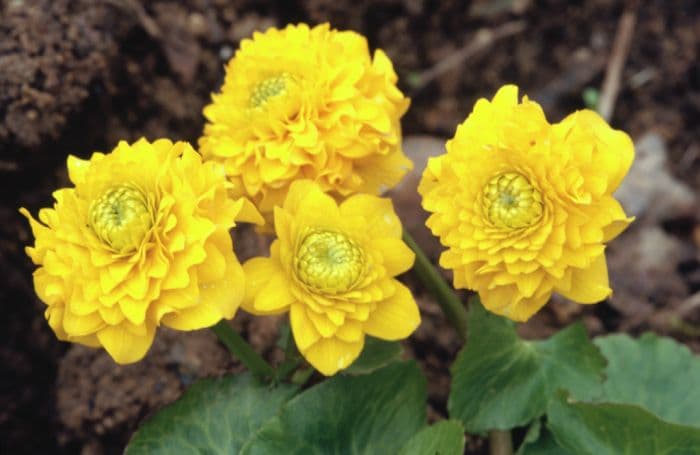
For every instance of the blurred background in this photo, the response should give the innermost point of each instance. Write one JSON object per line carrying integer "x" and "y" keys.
{"x": 79, "y": 75}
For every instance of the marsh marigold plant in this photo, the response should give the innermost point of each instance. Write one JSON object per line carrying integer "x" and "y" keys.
{"x": 525, "y": 208}
{"x": 332, "y": 267}
{"x": 308, "y": 103}
{"x": 141, "y": 240}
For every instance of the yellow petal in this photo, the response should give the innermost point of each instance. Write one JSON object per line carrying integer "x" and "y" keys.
{"x": 248, "y": 213}
{"x": 217, "y": 300}
{"x": 54, "y": 316}
{"x": 214, "y": 266}
{"x": 133, "y": 310}
{"x": 329, "y": 355}
{"x": 350, "y": 331}
{"x": 227, "y": 293}
{"x": 496, "y": 300}
{"x": 75, "y": 325}
{"x": 394, "y": 318}
{"x": 618, "y": 219}
{"x": 525, "y": 308}
{"x": 381, "y": 172}
{"x": 77, "y": 168}
{"x": 397, "y": 256}
{"x": 378, "y": 212}
{"x": 297, "y": 192}
{"x": 506, "y": 96}
{"x": 317, "y": 209}
{"x": 275, "y": 297}
{"x": 90, "y": 341}
{"x": 323, "y": 324}
{"x": 589, "y": 285}
{"x": 123, "y": 345}
{"x": 192, "y": 318}
{"x": 267, "y": 289}
{"x": 304, "y": 331}
{"x": 613, "y": 150}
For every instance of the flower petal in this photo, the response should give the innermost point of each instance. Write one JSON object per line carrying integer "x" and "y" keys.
{"x": 304, "y": 331}
{"x": 397, "y": 256}
{"x": 260, "y": 273}
{"x": 248, "y": 213}
{"x": 589, "y": 285}
{"x": 203, "y": 315}
{"x": 378, "y": 213}
{"x": 123, "y": 345}
{"x": 329, "y": 355}
{"x": 381, "y": 173}
{"x": 613, "y": 149}
{"x": 525, "y": 308}
{"x": 394, "y": 318}
{"x": 275, "y": 297}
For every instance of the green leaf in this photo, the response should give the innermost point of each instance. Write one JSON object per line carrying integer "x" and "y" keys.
{"x": 443, "y": 438}
{"x": 654, "y": 372}
{"x": 374, "y": 413}
{"x": 501, "y": 382}
{"x": 212, "y": 416}
{"x": 375, "y": 354}
{"x": 539, "y": 441}
{"x": 612, "y": 429}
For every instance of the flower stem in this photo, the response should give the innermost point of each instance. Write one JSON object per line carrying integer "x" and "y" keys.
{"x": 243, "y": 351}
{"x": 500, "y": 442}
{"x": 292, "y": 358}
{"x": 450, "y": 304}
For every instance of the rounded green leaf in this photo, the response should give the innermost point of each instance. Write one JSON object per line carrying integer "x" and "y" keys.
{"x": 654, "y": 372}
{"x": 443, "y": 438}
{"x": 612, "y": 429}
{"x": 375, "y": 354}
{"x": 502, "y": 382}
{"x": 212, "y": 416}
{"x": 374, "y": 413}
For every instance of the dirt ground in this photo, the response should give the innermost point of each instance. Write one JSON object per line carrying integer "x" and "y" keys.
{"x": 79, "y": 75}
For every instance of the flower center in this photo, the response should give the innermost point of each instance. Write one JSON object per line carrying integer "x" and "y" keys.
{"x": 121, "y": 217}
{"x": 328, "y": 261}
{"x": 511, "y": 201}
{"x": 268, "y": 88}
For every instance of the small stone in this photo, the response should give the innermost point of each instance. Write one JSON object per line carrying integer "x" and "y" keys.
{"x": 650, "y": 191}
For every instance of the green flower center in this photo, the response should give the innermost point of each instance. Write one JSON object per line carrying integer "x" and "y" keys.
{"x": 328, "y": 261}
{"x": 511, "y": 201}
{"x": 268, "y": 88}
{"x": 121, "y": 217}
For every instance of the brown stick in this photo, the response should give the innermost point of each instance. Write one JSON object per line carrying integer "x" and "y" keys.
{"x": 483, "y": 39}
{"x": 621, "y": 48}
{"x": 500, "y": 442}
{"x": 148, "y": 24}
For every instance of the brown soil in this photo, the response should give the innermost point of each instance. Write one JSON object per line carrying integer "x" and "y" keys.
{"x": 77, "y": 76}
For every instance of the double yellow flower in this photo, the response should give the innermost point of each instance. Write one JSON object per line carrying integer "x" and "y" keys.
{"x": 307, "y": 103}
{"x": 525, "y": 207}
{"x": 333, "y": 267}
{"x": 141, "y": 240}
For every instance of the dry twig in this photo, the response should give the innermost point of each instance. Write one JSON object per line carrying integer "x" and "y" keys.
{"x": 483, "y": 39}
{"x": 621, "y": 48}
{"x": 148, "y": 24}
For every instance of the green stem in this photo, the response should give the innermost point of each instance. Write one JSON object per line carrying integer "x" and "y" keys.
{"x": 292, "y": 358}
{"x": 243, "y": 351}
{"x": 500, "y": 442}
{"x": 450, "y": 304}
{"x": 301, "y": 376}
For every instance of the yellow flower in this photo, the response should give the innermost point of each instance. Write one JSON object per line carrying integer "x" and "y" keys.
{"x": 524, "y": 207}
{"x": 141, "y": 240}
{"x": 332, "y": 268}
{"x": 307, "y": 103}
